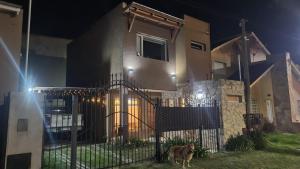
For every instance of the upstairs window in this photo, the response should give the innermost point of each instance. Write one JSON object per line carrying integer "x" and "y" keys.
{"x": 152, "y": 47}
{"x": 198, "y": 46}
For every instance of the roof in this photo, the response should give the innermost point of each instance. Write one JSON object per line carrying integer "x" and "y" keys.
{"x": 152, "y": 14}
{"x": 10, "y": 7}
{"x": 256, "y": 71}
{"x": 252, "y": 34}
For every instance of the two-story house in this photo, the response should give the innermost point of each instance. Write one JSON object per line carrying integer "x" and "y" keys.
{"x": 273, "y": 81}
{"x": 159, "y": 51}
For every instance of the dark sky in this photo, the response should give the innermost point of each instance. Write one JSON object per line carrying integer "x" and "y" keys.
{"x": 276, "y": 22}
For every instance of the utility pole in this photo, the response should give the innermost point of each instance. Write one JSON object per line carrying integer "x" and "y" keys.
{"x": 27, "y": 44}
{"x": 245, "y": 61}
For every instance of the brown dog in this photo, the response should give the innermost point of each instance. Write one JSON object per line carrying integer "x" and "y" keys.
{"x": 184, "y": 153}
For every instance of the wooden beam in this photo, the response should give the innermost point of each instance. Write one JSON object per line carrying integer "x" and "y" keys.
{"x": 131, "y": 23}
{"x": 155, "y": 20}
{"x": 174, "y": 34}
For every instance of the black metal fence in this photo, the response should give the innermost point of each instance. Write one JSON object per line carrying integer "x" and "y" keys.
{"x": 198, "y": 125}
{"x": 119, "y": 123}
{"x": 4, "y": 111}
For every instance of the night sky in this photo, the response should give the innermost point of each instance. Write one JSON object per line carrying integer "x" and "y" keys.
{"x": 275, "y": 22}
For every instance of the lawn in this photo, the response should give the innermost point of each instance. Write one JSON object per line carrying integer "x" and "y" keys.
{"x": 282, "y": 152}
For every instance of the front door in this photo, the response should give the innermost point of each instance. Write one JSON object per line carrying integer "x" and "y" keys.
{"x": 269, "y": 110}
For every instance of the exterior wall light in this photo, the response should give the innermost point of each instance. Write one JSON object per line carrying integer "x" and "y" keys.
{"x": 130, "y": 70}
{"x": 173, "y": 76}
{"x": 30, "y": 89}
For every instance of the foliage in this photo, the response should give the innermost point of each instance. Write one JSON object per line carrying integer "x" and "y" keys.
{"x": 136, "y": 142}
{"x": 268, "y": 127}
{"x": 239, "y": 143}
{"x": 258, "y": 139}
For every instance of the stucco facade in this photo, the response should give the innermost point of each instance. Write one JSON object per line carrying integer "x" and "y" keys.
{"x": 111, "y": 46}
{"x": 10, "y": 48}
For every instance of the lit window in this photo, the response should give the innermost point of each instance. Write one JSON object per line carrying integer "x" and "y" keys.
{"x": 133, "y": 114}
{"x": 198, "y": 45}
{"x": 152, "y": 47}
{"x": 219, "y": 65}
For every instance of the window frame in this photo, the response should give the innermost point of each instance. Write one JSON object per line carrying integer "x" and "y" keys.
{"x": 140, "y": 45}
{"x": 200, "y": 44}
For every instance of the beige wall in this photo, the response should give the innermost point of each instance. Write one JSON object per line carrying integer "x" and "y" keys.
{"x": 193, "y": 65}
{"x": 24, "y": 106}
{"x": 10, "y": 34}
{"x": 262, "y": 91}
{"x": 151, "y": 73}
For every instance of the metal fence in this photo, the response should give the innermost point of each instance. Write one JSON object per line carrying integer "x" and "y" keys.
{"x": 119, "y": 123}
{"x": 199, "y": 125}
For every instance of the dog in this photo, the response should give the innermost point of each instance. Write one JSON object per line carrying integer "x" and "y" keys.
{"x": 184, "y": 153}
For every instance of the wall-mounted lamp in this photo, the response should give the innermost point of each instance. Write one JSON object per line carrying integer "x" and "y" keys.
{"x": 130, "y": 70}
{"x": 173, "y": 76}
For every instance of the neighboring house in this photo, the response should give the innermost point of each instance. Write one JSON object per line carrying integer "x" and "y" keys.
{"x": 286, "y": 87}
{"x": 11, "y": 17}
{"x": 47, "y": 61}
{"x": 159, "y": 51}
{"x": 272, "y": 83}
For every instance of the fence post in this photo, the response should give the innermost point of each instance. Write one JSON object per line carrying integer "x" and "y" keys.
{"x": 217, "y": 114}
{"x": 74, "y": 131}
{"x": 157, "y": 132}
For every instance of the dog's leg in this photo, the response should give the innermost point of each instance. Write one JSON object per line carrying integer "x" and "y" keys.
{"x": 188, "y": 162}
{"x": 183, "y": 161}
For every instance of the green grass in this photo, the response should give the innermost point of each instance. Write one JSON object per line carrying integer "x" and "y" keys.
{"x": 281, "y": 153}
{"x": 96, "y": 156}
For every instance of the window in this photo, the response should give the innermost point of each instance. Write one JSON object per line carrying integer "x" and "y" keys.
{"x": 254, "y": 106}
{"x": 133, "y": 114}
{"x": 219, "y": 65}
{"x": 198, "y": 45}
{"x": 152, "y": 47}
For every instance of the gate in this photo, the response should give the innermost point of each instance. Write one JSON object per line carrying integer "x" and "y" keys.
{"x": 198, "y": 124}
{"x": 118, "y": 123}
{"x": 101, "y": 127}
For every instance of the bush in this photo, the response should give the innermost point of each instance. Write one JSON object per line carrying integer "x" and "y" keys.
{"x": 268, "y": 127}
{"x": 136, "y": 142}
{"x": 258, "y": 139}
{"x": 239, "y": 143}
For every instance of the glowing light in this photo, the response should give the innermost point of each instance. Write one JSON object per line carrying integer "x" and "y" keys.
{"x": 200, "y": 95}
{"x": 130, "y": 70}
{"x": 30, "y": 89}
{"x": 173, "y": 76}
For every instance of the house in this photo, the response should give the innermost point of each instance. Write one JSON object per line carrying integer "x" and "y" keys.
{"x": 268, "y": 75}
{"x": 11, "y": 18}
{"x": 47, "y": 61}
{"x": 163, "y": 53}
{"x": 157, "y": 50}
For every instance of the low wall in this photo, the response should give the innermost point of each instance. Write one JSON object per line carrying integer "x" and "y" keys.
{"x": 25, "y": 127}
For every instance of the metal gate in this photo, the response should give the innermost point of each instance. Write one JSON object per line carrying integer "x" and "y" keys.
{"x": 101, "y": 127}
{"x": 118, "y": 123}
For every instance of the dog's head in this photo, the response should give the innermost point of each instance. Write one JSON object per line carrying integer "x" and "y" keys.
{"x": 191, "y": 148}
